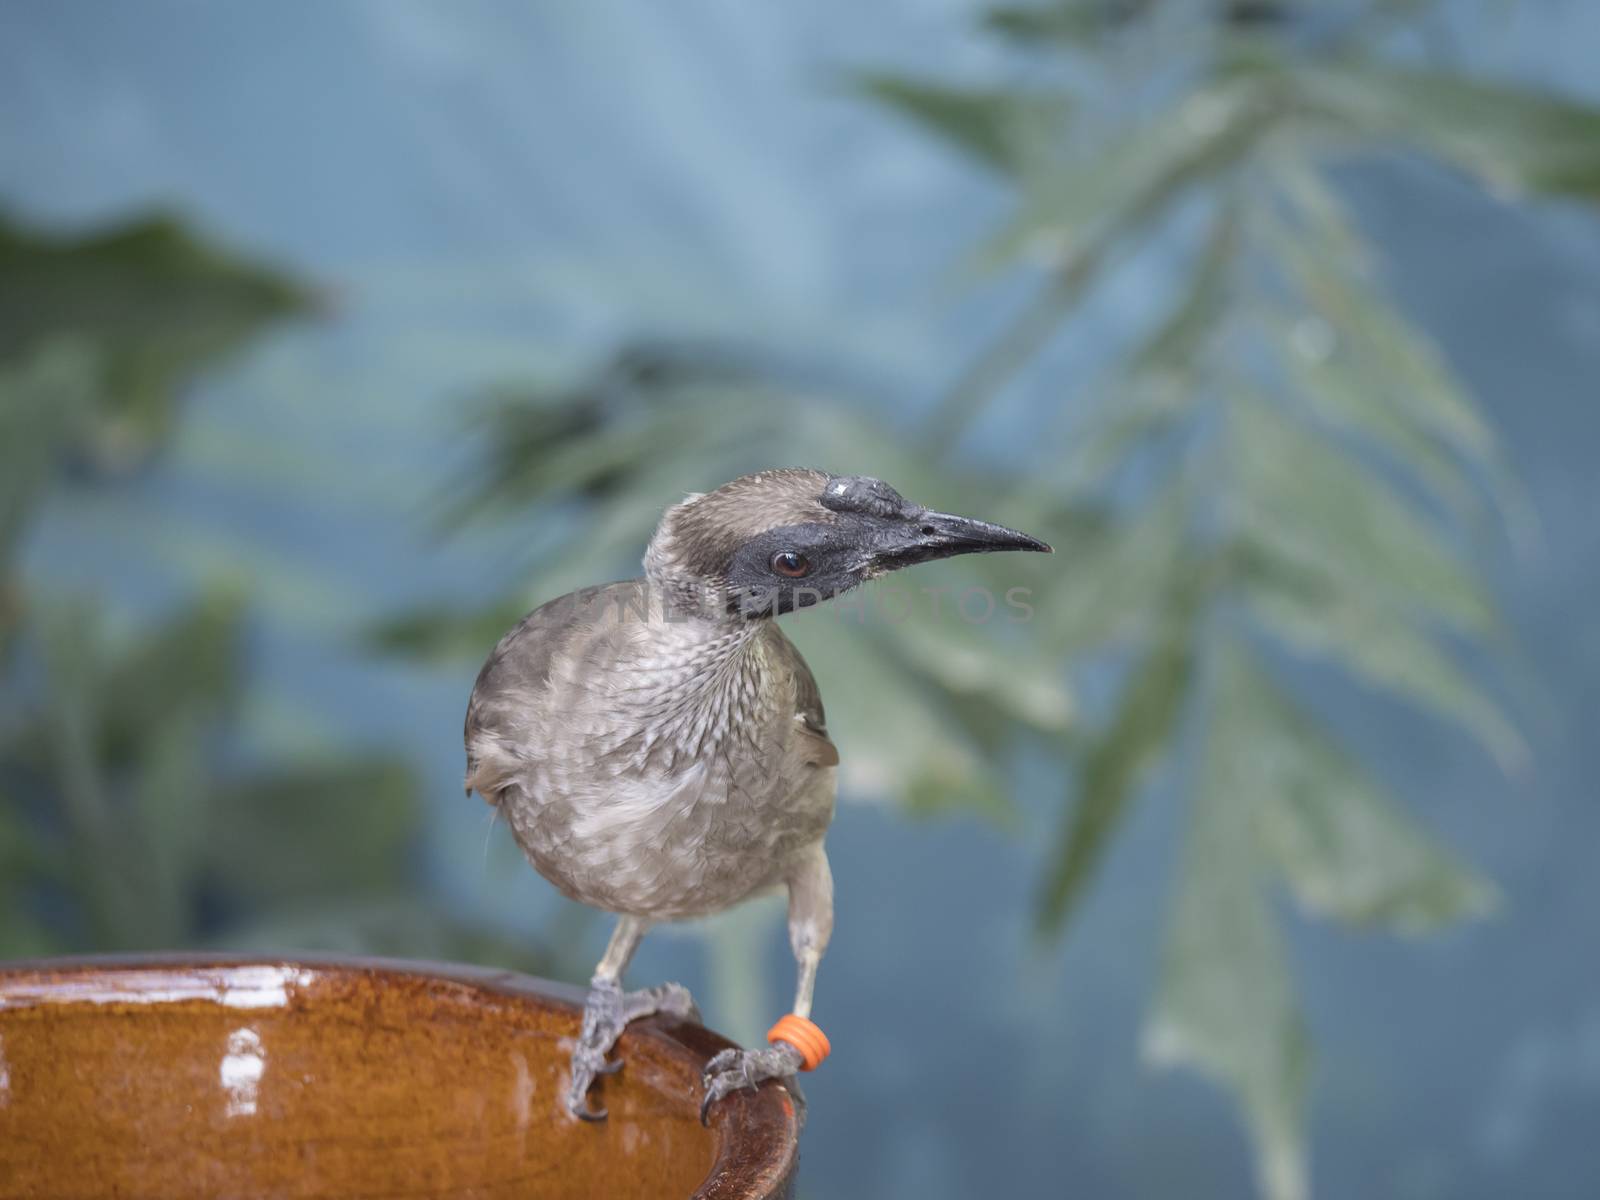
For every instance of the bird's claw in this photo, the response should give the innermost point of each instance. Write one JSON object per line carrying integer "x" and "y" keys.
{"x": 607, "y": 1011}
{"x": 732, "y": 1069}
{"x": 588, "y": 1063}
{"x": 670, "y": 998}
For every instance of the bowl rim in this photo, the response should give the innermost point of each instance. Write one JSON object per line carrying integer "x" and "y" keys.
{"x": 756, "y": 1132}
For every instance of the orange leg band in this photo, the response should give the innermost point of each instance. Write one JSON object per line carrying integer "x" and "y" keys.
{"x": 804, "y": 1036}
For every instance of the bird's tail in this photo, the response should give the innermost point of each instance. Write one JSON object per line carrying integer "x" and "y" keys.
{"x": 492, "y": 770}
{"x": 481, "y": 781}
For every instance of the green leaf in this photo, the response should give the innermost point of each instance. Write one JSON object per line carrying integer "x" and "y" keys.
{"x": 63, "y": 746}
{"x": 1078, "y": 215}
{"x": 895, "y": 736}
{"x": 1515, "y": 138}
{"x": 536, "y": 453}
{"x": 1327, "y": 261}
{"x": 1130, "y": 419}
{"x": 24, "y": 852}
{"x": 1069, "y": 22}
{"x": 1184, "y": 334}
{"x": 46, "y": 398}
{"x": 1337, "y": 244}
{"x": 1121, "y": 574}
{"x": 322, "y": 829}
{"x": 1318, "y": 614}
{"x": 1310, "y": 505}
{"x": 169, "y": 804}
{"x": 441, "y": 632}
{"x": 975, "y": 658}
{"x": 156, "y": 304}
{"x": 1225, "y": 1003}
{"x": 1337, "y": 390}
{"x": 188, "y": 664}
{"x": 1161, "y": 379}
{"x": 1339, "y": 841}
{"x": 597, "y": 438}
{"x": 1118, "y": 760}
{"x": 1002, "y": 128}
{"x": 1389, "y": 366}
{"x": 1080, "y": 208}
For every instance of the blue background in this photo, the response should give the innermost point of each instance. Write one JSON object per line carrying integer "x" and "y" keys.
{"x": 488, "y": 189}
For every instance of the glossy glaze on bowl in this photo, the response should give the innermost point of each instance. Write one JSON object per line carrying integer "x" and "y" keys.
{"x": 351, "y": 1078}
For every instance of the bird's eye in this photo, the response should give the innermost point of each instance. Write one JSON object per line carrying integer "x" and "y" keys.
{"x": 788, "y": 563}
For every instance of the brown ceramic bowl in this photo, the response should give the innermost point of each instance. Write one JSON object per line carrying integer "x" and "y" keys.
{"x": 352, "y": 1078}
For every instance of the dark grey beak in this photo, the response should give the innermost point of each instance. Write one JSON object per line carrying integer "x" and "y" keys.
{"x": 931, "y": 535}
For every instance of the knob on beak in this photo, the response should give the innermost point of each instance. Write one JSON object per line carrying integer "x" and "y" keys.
{"x": 932, "y": 535}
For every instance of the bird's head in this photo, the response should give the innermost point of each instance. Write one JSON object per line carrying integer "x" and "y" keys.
{"x": 785, "y": 539}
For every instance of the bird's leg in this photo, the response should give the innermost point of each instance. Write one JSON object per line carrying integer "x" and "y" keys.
{"x": 608, "y": 1010}
{"x": 810, "y": 926}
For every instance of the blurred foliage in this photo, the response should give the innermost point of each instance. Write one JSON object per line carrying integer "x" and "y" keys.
{"x": 1279, "y": 467}
{"x": 1305, "y": 475}
{"x": 1278, "y": 470}
{"x": 134, "y": 812}
{"x": 153, "y": 305}
{"x": 601, "y": 459}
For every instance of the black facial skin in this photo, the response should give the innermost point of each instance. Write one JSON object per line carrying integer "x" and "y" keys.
{"x": 855, "y": 547}
{"x": 835, "y": 565}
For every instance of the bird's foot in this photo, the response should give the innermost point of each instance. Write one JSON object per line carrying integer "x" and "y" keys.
{"x": 606, "y": 1013}
{"x": 733, "y": 1069}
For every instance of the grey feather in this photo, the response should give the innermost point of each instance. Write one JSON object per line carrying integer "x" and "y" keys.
{"x": 648, "y": 763}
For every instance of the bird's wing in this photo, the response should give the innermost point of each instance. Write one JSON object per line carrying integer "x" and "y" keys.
{"x": 811, "y": 723}
{"x": 517, "y": 675}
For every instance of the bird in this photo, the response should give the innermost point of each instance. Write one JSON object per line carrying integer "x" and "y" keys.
{"x": 659, "y": 748}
